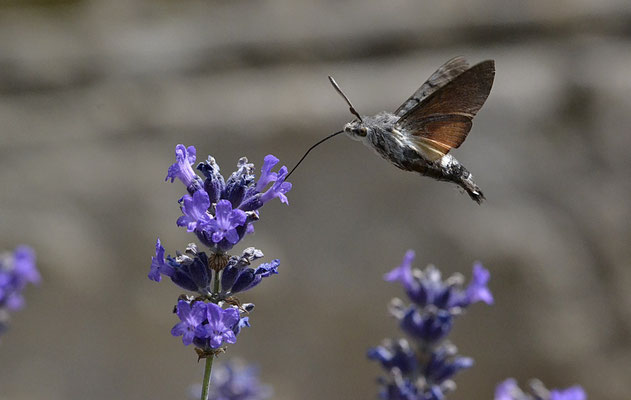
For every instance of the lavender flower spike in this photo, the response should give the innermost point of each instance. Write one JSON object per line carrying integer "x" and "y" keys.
{"x": 425, "y": 368}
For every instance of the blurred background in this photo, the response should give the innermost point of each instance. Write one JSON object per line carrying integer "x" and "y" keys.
{"x": 95, "y": 94}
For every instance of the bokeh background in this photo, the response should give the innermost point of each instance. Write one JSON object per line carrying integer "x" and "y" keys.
{"x": 95, "y": 94}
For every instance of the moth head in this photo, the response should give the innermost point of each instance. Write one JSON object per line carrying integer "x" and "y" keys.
{"x": 356, "y": 129}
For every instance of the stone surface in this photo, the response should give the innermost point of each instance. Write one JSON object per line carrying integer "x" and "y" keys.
{"x": 95, "y": 95}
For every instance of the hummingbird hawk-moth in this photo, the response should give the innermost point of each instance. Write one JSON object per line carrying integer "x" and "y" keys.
{"x": 419, "y": 134}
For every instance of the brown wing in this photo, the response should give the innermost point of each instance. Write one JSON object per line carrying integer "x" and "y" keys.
{"x": 443, "y": 75}
{"x": 443, "y": 119}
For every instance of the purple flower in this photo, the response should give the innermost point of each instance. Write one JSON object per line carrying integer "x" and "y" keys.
{"x": 509, "y": 390}
{"x": 423, "y": 371}
{"x": 403, "y": 273}
{"x": 182, "y": 169}
{"x": 191, "y": 317}
{"x": 573, "y": 393}
{"x": 221, "y": 231}
{"x": 234, "y": 381}
{"x": 244, "y": 322}
{"x": 214, "y": 183}
{"x": 195, "y": 209}
{"x": 24, "y": 264}
{"x": 158, "y": 266}
{"x": 220, "y": 327}
{"x": 444, "y": 363}
{"x": 239, "y": 183}
{"x": 190, "y": 271}
{"x": 425, "y": 287}
{"x": 395, "y": 354}
{"x": 477, "y": 289}
{"x": 267, "y": 175}
{"x": 428, "y": 288}
{"x": 426, "y": 327}
{"x": 255, "y": 198}
{"x": 225, "y": 222}
{"x": 17, "y": 269}
{"x": 238, "y": 279}
{"x": 220, "y": 212}
{"x": 279, "y": 188}
{"x": 404, "y": 388}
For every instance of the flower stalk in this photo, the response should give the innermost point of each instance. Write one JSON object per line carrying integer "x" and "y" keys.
{"x": 206, "y": 382}
{"x": 220, "y": 213}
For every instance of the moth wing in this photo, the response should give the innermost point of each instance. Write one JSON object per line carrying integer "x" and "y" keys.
{"x": 443, "y": 75}
{"x": 443, "y": 119}
{"x": 436, "y": 135}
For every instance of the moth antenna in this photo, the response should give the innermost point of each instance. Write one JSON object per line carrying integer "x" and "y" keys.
{"x": 311, "y": 148}
{"x": 350, "y": 106}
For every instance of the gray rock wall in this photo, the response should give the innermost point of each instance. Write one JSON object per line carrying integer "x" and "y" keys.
{"x": 94, "y": 95}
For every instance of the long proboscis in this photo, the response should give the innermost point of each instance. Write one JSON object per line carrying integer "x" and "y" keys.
{"x": 311, "y": 148}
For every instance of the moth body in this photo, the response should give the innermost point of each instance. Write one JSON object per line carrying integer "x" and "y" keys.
{"x": 436, "y": 118}
{"x": 381, "y": 133}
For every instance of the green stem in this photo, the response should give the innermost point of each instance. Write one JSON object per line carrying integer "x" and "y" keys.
{"x": 209, "y": 361}
{"x": 206, "y": 383}
{"x": 216, "y": 283}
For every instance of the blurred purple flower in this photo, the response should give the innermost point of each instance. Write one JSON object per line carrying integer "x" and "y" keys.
{"x": 17, "y": 269}
{"x": 477, "y": 289}
{"x": 426, "y": 287}
{"x": 572, "y": 393}
{"x": 509, "y": 390}
{"x": 395, "y": 354}
{"x": 234, "y": 381}
{"x": 425, "y": 369}
{"x": 24, "y": 264}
